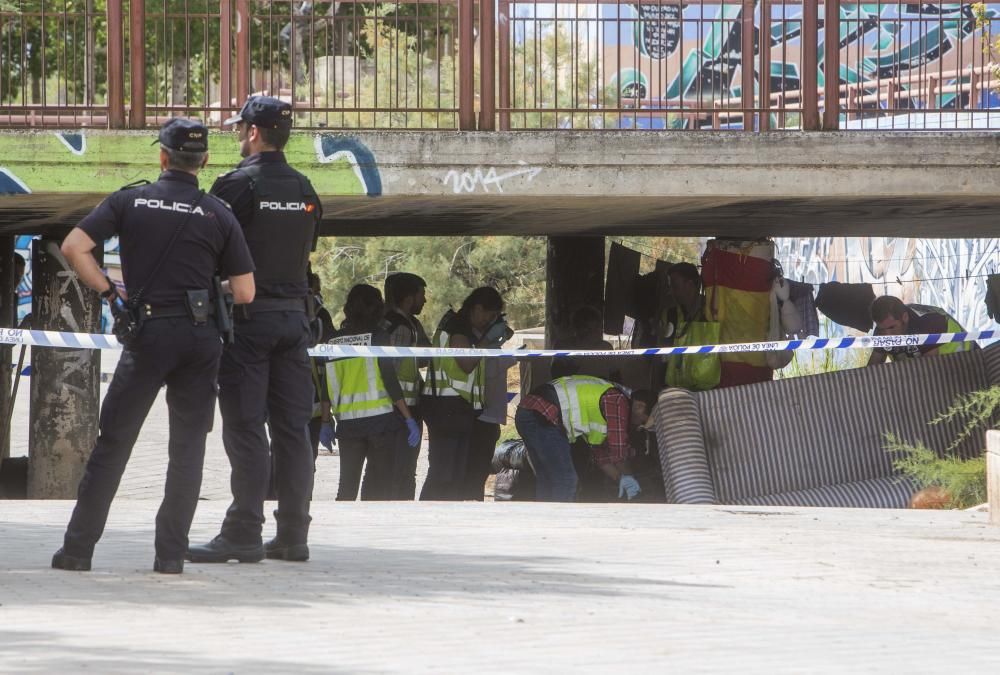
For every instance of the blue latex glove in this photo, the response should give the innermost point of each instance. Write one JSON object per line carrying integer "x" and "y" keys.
{"x": 628, "y": 486}
{"x": 326, "y": 436}
{"x": 413, "y": 437}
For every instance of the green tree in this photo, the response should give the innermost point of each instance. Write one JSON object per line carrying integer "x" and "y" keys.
{"x": 452, "y": 267}
{"x": 67, "y": 66}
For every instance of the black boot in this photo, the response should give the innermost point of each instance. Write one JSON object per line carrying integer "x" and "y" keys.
{"x": 279, "y": 550}
{"x": 63, "y": 561}
{"x": 221, "y": 550}
{"x": 168, "y": 566}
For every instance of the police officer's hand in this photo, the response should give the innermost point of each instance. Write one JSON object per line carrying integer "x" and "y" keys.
{"x": 628, "y": 486}
{"x": 413, "y": 438}
{"x": 326, "y": 436}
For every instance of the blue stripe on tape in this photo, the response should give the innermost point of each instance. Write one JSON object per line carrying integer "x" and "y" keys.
{"x": 99, "y": 341}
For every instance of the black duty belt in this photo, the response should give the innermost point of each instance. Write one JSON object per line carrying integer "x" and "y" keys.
{"x": 276, "y": 305}
{"x": 150, "y": 312}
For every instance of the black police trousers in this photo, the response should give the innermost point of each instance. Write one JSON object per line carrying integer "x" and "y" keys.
{"x": 265, "y": 378}
{"x": 186, "y": 359}
{"x": 450, "y": 423}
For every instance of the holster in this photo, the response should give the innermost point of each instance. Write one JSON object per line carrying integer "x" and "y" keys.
{"x": 128, "y": 321}
{"x": 223, "y": 311}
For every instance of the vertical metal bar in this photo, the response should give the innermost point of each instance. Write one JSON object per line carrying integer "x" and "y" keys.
{"x": 503, "y": 49}
{"x": 764, "y": 75}
{"x": 487, "y": 65}
{"x": 225, "y": 57}
{"x": 466, "y": 66}
{"x": 973, "y": 86}
{"x": 137, "y": 63}
{"x": 747, "y": 103}
{"x": 116, "y": 66}
{"x": 810, "y": 67}
{"x": 242, "y": 70}
{"x": 831, "y": 65}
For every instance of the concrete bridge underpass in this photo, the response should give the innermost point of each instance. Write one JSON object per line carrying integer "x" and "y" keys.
{"x": 919, "y": 184}
{"x": 567, "y": 185}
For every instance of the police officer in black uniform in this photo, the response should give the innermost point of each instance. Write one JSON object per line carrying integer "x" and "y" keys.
{"x": 265, "y": 375}
{"x": 173, "y": 238}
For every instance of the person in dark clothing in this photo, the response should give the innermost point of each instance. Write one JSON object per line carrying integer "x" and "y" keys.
{"x": 892, "y": 317}
{"x": 405, "y": 296}
{"x": 365, "y": 397}
{"x": 453, "y": 395}
{"x": 320, "y": 426}
{"x": 265, "y": 375}
{"x": 173, "y": 238}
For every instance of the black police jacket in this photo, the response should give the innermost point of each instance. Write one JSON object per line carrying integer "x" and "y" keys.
{"x": 280, "y": 214}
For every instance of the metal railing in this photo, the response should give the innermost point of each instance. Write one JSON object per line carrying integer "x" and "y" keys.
{"x": 503, "y": 64}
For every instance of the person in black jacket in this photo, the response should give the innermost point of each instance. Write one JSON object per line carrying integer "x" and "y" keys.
{"x": 173, "y": 238}
{"x": 265, "y": 375}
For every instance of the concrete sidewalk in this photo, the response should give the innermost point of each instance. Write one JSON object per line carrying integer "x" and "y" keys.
{"x": 511, "y": 588}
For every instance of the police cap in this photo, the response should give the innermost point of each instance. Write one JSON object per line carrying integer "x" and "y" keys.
{"x": 264, "y": 111}
{"x": 186, "y": 135}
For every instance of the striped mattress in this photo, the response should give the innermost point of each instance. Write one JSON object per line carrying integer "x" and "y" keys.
{"x": 817, "y": 440}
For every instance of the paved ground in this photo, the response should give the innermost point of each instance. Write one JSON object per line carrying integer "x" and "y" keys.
{"x": 502, "y": 588}
{"x": 144, "y": 475}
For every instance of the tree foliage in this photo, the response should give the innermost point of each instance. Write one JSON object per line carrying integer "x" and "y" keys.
{"x": 451, "y": 266}
{"x": 964, "y": 480}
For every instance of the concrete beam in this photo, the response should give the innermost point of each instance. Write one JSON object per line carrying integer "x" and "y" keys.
{"x": 929, "y": 184}
{"x": 65, "y": 383}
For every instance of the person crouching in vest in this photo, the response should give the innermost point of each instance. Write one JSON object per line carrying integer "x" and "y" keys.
{"x": 453, "y": 394}
{"x": 367, "y": 402}
{"x": 567, "y": 409}
{"x": 892, "y": 317}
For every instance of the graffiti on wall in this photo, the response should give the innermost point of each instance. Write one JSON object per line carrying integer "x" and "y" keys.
{"x": 331, "y": 148}
{"x": 945, "y": 273}
{"x": 694, "y": 54}
{"x": 348, "y": 167}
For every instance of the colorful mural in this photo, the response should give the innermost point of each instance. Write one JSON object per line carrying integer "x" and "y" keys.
{"x": 694, "y": 55}
{"x": 946, "y": 273}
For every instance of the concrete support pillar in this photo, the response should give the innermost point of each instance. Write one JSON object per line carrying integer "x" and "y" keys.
{"x": 8, "y": 317}
{"x": 65, "y": 383}
{"x": 574, "y": 277}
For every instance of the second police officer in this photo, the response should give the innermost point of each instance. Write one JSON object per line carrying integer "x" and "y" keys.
{"x": 265, "y": 376}
{"x": 173, "y": 238}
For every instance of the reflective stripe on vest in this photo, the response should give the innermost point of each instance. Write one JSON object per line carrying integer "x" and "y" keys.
{"x": 356, "y": 389}
{"x": 450, "y": 380}
{"x": 580, "y": 405}
{"x": 953, "y": 327}
{"x": 409, "y": 380}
